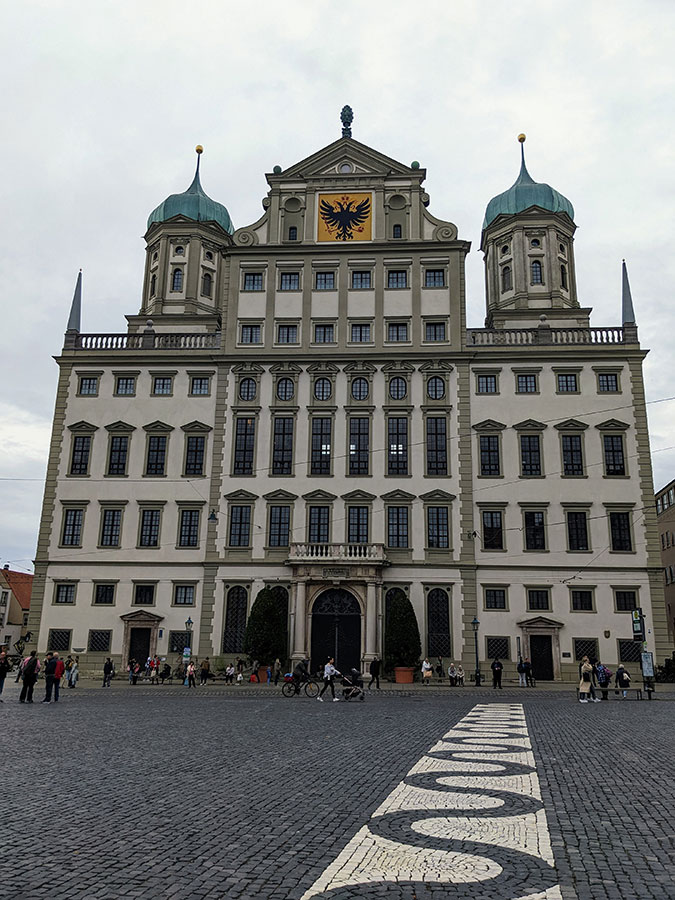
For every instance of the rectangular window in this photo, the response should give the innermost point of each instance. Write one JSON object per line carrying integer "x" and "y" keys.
{"x": 582, "y": 601}
{"x": 290, "y": 281}
{"x": 251, "y": 334}
{"x": 498, "y": 648}
{"x": 620, "y": 530}
{"x": 526, "y": 384}
{"x": 397, "y": 332}
{"x": 58, "y": 640}
{"x": 282, "y": 449}
{"x": 79, "y": 462}
{"x": 615, "y": 463}
{"x": 572, "y": 455}
{"x": 184, "y": 595}
{"x": 608, "y": 382}
{"x": 397, "y": 526}
{"x": 150, "y": 519}
{"x": 240, "y": 526}
{"x": 195, "y": 446}
{"x": 321, "y": 445}
{"x": 156, "y": 460}
{"x": 200, "y": 386}
{"x": 495, "y": 598}
{"x": 530, "y": 455}
{"x": 244, "y": 446}
{"x": 567, "y": 383}
{"x": 397, "y": 457}
{"x": 493, "y": 530}
{"x": 325, "y": 281}
{"x": 99, "y": 641}
{"x": 577, "y": 531}
{"x": 178, "y": 640}
{"x": 104, "y": 595}
{"x": 188, "y": 533}
{"x": 437, "y": 446}
{"x": 88, "y": 386}
{"x": 162, "y": 385}
{"x": 537, "y": 600}
{"x": 630, "y": 651}
{"x": 359, "y": 439}
{"x": 111, "y": 526}
{"x": 319, "y": 524}
{"x": 434, "y": 278}
{"x": 397, "y": 278}
{"x": 65, "y": 594}
{"x": 489, "y": 455}
{"x": 357, "y": 525}
{"x": 287, "y": 334}
{"x": 625, "y": 600}
{"x": 487, "y": 384}
{"x": 125, "y": 386}
{"x": 360, "y": 334}
{"x": 362, "y": 280}
{"x": 535, "y": 531}
{"x": 144, "y": 595}
{"x": 585, "y": 647}
{"x": 437, "y": 527}
{"x": 434, "y": 331}
{"x": 253, "y": 281}
{"x": 280, "y": 523}
{"x": 117, "y": 457}
{"x": 324, "y": 334}
{"x": 72, "y": 527}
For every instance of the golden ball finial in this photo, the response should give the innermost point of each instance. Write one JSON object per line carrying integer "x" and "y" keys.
{"x": 199, "y": 149}
{"x": 521, "y": 138}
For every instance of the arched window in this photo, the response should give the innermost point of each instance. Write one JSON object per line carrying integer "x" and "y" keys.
{"x": 438, "y": 623}
{"x": 235, "y": 620}
{"x": 391, "y": 594}
{"x": 397, "y": 232}
{"x": 292, "y": 233}
{"x": 179, "y": 251}
{"x": 506, "y": 278}
{"x": 153, "y": 285}
{"x": 536, "y": 273}
{"x": 207, "y": 283}
{"x": 563, "y": 277}
{"x": 177, "y": 280}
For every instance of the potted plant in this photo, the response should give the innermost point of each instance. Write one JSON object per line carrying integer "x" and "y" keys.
{"x": 402, "y": 645}
{"x": 265, "y": 635}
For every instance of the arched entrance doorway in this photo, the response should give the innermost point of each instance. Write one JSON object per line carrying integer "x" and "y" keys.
{"x": 336, "y": 630}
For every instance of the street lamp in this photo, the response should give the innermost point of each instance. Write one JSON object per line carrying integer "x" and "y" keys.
{"x": 475, "y": 623}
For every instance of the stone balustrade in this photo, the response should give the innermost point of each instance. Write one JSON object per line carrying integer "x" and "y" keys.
{"x": 310, "y": 552}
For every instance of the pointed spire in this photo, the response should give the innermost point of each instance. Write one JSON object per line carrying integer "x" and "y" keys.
{"x": 76, "y": 306}
{"x": 524, "y": 177}
{"x": 627, "y": 311}
{"x": 196, "y": 186}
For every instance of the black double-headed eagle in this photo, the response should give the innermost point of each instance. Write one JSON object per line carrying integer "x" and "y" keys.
{"x": 344, "y": 215}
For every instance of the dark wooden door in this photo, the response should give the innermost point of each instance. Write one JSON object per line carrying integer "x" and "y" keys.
{"x": 336, "y": 631}
{"x": 541, "y": 656}
{"x": 139, "y": 644}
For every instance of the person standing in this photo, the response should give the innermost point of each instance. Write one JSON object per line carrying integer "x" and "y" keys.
{"x": 74, "y": 673}
{"x": 522, "y": 679}
{"x": 58, "y": 675}
{"x": 591, "y": 686}
{"x": 191, "y": 675}
{"x": 586, "y": 679}
{"x": 329, "y": 671}
{"x": 229, "y": 674}
{"x": 529, "y": 676}
{"x": 204, "y": 670}
{"x": 4, "y": 670}
{"x": 604, "y": 679}
{"x": 622, "y": 680}
{"x": 452, "y": 674}
{"x": 108, "y": 672}
{"x": 460, "y": 675}
{"x": 50, "y": 668}
{"x": 276, "y": 670}
{"x": 497, "y": 669}
{"x": 374, "y": 670}
{"x": 29, "y": 674}
{"x": 427, "y": 671}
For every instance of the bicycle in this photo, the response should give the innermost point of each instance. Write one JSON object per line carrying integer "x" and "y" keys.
{"x": 311, "y": 688}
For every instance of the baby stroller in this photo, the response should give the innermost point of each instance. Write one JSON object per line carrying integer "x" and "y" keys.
{"x": 353, "y": 686}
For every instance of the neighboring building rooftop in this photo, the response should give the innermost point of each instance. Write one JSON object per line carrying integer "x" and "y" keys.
{"x": 20, "y": 583}
{"x": 665, "y": 498}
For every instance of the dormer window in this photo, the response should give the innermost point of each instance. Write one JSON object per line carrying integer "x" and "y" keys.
{"x": 506, "y": 279}
{"x": 207, "y": 284}
{"x": 537, "y": 277}
{"x": 397, "y": 232}
{"x": 179, "y": 251}
{"x": 177, "y": 280}
{"x": 293, "y": 233}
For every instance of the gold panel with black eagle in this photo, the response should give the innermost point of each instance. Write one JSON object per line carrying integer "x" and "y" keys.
{"x": 345, "y": 217}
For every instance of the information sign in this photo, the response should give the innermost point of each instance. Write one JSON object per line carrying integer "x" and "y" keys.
{"x": 647, "y": 662}
{"x": 187, "y": 653}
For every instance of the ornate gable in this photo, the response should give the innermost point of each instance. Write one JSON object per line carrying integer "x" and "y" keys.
{"x": 330, "y": 160}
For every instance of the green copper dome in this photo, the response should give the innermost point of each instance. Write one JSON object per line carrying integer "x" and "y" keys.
{"x": 193, "y": 204}
{"x": 525, "y": 193}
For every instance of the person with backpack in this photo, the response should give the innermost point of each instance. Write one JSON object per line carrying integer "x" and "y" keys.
{"x": 497, "y": 669}
{"x": 29, "y": 673}
{"x": 529, "y": 675}
{"x": 604, "y": 676}
{"x": 622, "y": 680}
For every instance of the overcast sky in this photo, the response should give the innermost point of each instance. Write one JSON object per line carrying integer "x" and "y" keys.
{"x": 104, "y": 102}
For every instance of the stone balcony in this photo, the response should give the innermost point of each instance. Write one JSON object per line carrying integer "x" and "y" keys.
{"x": 546, "y": 335}
{"x": 336, "y": 553}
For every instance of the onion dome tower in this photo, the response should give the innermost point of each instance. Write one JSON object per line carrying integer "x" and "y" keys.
{"x": 186, "y": 237}
{"x": 528, "y": 242}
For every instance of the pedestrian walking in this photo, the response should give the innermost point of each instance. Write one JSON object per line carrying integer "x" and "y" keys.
{"x": 329, "y": 671}
{"x": 29, "y": 673}
{"x": 427, "y": 671}
{"x": 452, "y": 674}
{"x": 374, "y": 670}
{"x": 522, "y": 677}
{"x": 604, "y": 676}
{"x": 74, "y": 673}
{"x": 254, "y": 671}
{"x": 529, "y": 675}
{"x": 460, "y": 675}
{"x": 191, "y": 675}
{"x": 229, "y": 674}
{"x": 4, "y": 671}
{"x": 204, "y": 670}
{"x": 108, "y": 672}
{"x": 622, "y": 680}
{"x": 276, "y": 670}
{"x": 586, "y": 679}
{"x": 497, "y": 669}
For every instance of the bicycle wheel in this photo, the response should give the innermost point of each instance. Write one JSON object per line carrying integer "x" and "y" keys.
{"x": 288, "y": 689}
{"x": 311, "y": 689}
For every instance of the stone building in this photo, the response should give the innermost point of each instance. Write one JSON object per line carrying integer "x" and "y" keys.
{"x": 299, "y": 403}
{"x": 665, "y": 517}
{"x": 15, "y": 591}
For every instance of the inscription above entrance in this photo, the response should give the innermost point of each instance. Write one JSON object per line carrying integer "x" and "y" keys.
{"x": 345, "y": 217}
{"x": 335, "y": 572}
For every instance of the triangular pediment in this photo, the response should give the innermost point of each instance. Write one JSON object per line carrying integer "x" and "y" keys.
{"x": 530, "y": 425}
{"x": 432, "y": 496}
{"x": 83, "y": 427}
{"x": 539, "y": 622}
{"x": 346, "y": 151}
{"x": 240, "y": 495}
{"x": 158, "y": 427}
{"x": 571, "y": 425}
{"x": 397, "y": 495}
{"x": 196, "y": 426}
{"x": 319, "y": 495}
{"x": 488, "y": 425}
{"x": 141, "y": 615}
{"x": 280, "y": 495}
{"x": 120, "y": 428}
{"x": 358, "y": 495}
{"x": 613, "y": 425}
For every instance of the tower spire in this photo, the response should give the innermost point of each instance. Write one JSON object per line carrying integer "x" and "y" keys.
{"x": 76, "y": 307}
{"x": 196, "y": 186}
{"x": 627, "y": 311}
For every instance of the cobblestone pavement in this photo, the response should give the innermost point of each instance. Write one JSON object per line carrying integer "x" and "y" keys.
{"x": 169, "y": 793}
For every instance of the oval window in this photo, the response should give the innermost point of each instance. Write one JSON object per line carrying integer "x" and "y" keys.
{"x": 360, "y": 388}
{"x": 247, "y": 389}
{"x": 285, "y": 389}
{"x": 436, "y": 388}
{"x": 397, "y": 388}
{"x": 322, "y": 389}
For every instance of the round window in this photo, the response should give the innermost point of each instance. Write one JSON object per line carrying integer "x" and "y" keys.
{"x": 397, "y": 388}
{"x": 535, "y": 242}
{"x": 360, "y": 388}
{"x": 436, "y": 388}
{"x": 247, "y": 389}
{"x": 285, "y": 389}
{"x": 179, "y": 251}
{"x": 322, "y": 389}
{"x": 345, "y": 167}
{"x": 505, "y": 248}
